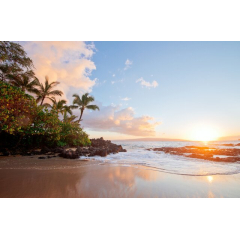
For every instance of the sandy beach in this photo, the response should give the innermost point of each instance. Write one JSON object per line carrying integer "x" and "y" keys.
{"x": 41, "y": 178}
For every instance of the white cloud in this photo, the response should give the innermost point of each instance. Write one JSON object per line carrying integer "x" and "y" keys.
{"x": 113, "y": 75}
{"x": 113, "y": 119}
{"x": 154, "y": 84}
{"x": 128, "y": 64}
{"x": 126, "y": 99}
{"x": 117, "y": 81}
{"x": 67, "y": 62}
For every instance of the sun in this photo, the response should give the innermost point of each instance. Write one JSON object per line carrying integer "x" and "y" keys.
{"x": 204, "y": 134}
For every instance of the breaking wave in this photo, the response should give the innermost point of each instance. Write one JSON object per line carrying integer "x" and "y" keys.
{"x": 137, "y": 154}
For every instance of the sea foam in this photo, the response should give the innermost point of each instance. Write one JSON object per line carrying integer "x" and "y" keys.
{"x": 137, "y": 154}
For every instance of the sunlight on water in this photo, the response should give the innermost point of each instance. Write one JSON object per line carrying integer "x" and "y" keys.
{"x": 137, "y": 154}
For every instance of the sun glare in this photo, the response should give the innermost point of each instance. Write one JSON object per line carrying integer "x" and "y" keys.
{"x": 210, "y": 178}
{"x": 204, "y": 134}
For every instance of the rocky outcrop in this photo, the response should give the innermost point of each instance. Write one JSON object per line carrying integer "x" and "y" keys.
{"x": 205, "y": 153}
{"x": 99, "y": 147}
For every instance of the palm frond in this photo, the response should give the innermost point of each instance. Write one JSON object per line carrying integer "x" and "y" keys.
{"x": 55, "y": 92}
{"x": 92, "y": 107}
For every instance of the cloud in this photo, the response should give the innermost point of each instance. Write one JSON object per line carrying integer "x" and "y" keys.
{"x": 67, "y": 62}
{"x": 128, "y": 64}
{"x": 113, "y": 75}
{"x": 154, "y": 84}
{"x": 126, "y": 99}
{"x": 117, "y": 81}
{"x": 112, "y": 118}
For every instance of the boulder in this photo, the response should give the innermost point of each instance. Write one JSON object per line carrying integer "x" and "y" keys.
{"x": 45, "y": 150}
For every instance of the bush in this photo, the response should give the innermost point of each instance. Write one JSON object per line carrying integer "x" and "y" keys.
{"x": 17, "y": 109}
{"x": 24, "y": 124}
{"x": 72, "y": 135}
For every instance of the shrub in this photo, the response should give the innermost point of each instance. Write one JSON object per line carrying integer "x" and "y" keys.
{"x": 23, "y": 123}
{"x": 17, "y": 109}
{"x": 72, "y": 135}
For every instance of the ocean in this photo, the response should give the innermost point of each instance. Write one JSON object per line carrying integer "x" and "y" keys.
{"x": 137, "y": 154}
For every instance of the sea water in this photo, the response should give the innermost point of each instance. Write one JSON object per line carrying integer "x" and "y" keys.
{"x": 137, "y": 154}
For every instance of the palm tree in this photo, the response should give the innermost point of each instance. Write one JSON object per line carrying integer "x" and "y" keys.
{"x": 60, "y": 106}
{"x": 25, "y": 83}
{"x": 83, "y": 103}
{"x": 69, "y": 119}
{"x": 45, "y": 91}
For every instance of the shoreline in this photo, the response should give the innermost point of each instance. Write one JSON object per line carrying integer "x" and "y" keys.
{"x": 32, "y": 177}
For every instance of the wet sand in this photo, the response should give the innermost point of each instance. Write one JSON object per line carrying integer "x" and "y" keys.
{"x": 57, "y": 177}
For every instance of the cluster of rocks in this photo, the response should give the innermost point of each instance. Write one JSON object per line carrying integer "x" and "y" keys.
{"x": 230, "y": 144}
{"x": 99, "y": 147}
{"x": 205, "y": 153}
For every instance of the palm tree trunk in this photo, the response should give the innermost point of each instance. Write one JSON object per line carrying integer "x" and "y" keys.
{"x": 81, "y": 115}
{"x": 42, "y": 101}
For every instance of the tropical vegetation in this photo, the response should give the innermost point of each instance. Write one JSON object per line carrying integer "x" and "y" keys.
{"x": 84, "y": 103}
{"x": 30, "y": 114}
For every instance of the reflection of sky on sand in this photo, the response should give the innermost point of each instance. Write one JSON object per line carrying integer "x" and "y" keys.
{"x": 112, "y": 180}
{"x": 119, "y": 181}
{"x": 115, "y": 181}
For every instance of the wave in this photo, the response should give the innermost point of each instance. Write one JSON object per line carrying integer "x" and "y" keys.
{"x": 138, "y": 155}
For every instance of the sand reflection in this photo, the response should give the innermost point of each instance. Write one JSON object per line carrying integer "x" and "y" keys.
{"x": 76, "y": 179}
{"x": 210, "y": 178}
{"x": 113, "y": 181}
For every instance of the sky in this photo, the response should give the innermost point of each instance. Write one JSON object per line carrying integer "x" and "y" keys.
{"x": 183, "y": 90}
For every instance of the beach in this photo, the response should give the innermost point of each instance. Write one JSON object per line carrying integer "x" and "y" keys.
{"x": 30, "y": 177}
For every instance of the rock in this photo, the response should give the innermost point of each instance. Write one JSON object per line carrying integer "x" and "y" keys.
{"x": 99, "y": 147}
{"x": 41, "y": 157}
{"x": 101, "y": 152}
{"x": 58, "y": 150}
{"x": 123, "y": 150}
{"x": 70, "y": 154}
{"x": 45, "y": 150}
{"x": 204, "y": 153}
{"x": 5, "y": 153}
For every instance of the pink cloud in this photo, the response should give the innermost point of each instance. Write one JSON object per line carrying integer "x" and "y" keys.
{"x": 67, "y": 62}
{"x": 111, "y": 118}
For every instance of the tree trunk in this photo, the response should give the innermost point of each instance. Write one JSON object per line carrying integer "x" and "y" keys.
{"x": 81, "y": 115}
{"x": 42, "y": 101}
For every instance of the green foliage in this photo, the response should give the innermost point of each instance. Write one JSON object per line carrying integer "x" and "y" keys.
{"x": 73, "y": 135}
{"x": 32, "y": 126}
{"x": 25, "y": 83}
{"x": 46, "y": 124}
{"x": 46, "y": 91}
{"x": 22, "y": 122}
{"x": 14, "y": 61}
{"x": 17, "y": 109}
{"x": 84, "y": 102}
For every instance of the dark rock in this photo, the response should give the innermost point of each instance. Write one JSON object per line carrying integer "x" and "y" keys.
{"x": 57, "y": 150}
{"x": 123, "y": 150}
{"x": 5, "y": 152}
{"x": 45, "y": 150}
{"x": 204, "y": 153}
{"x": 41, "y": 157}
{"x": 99, "y": 147}
{"x": 69, "y": 154}
{"x": 101, "y": 152}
